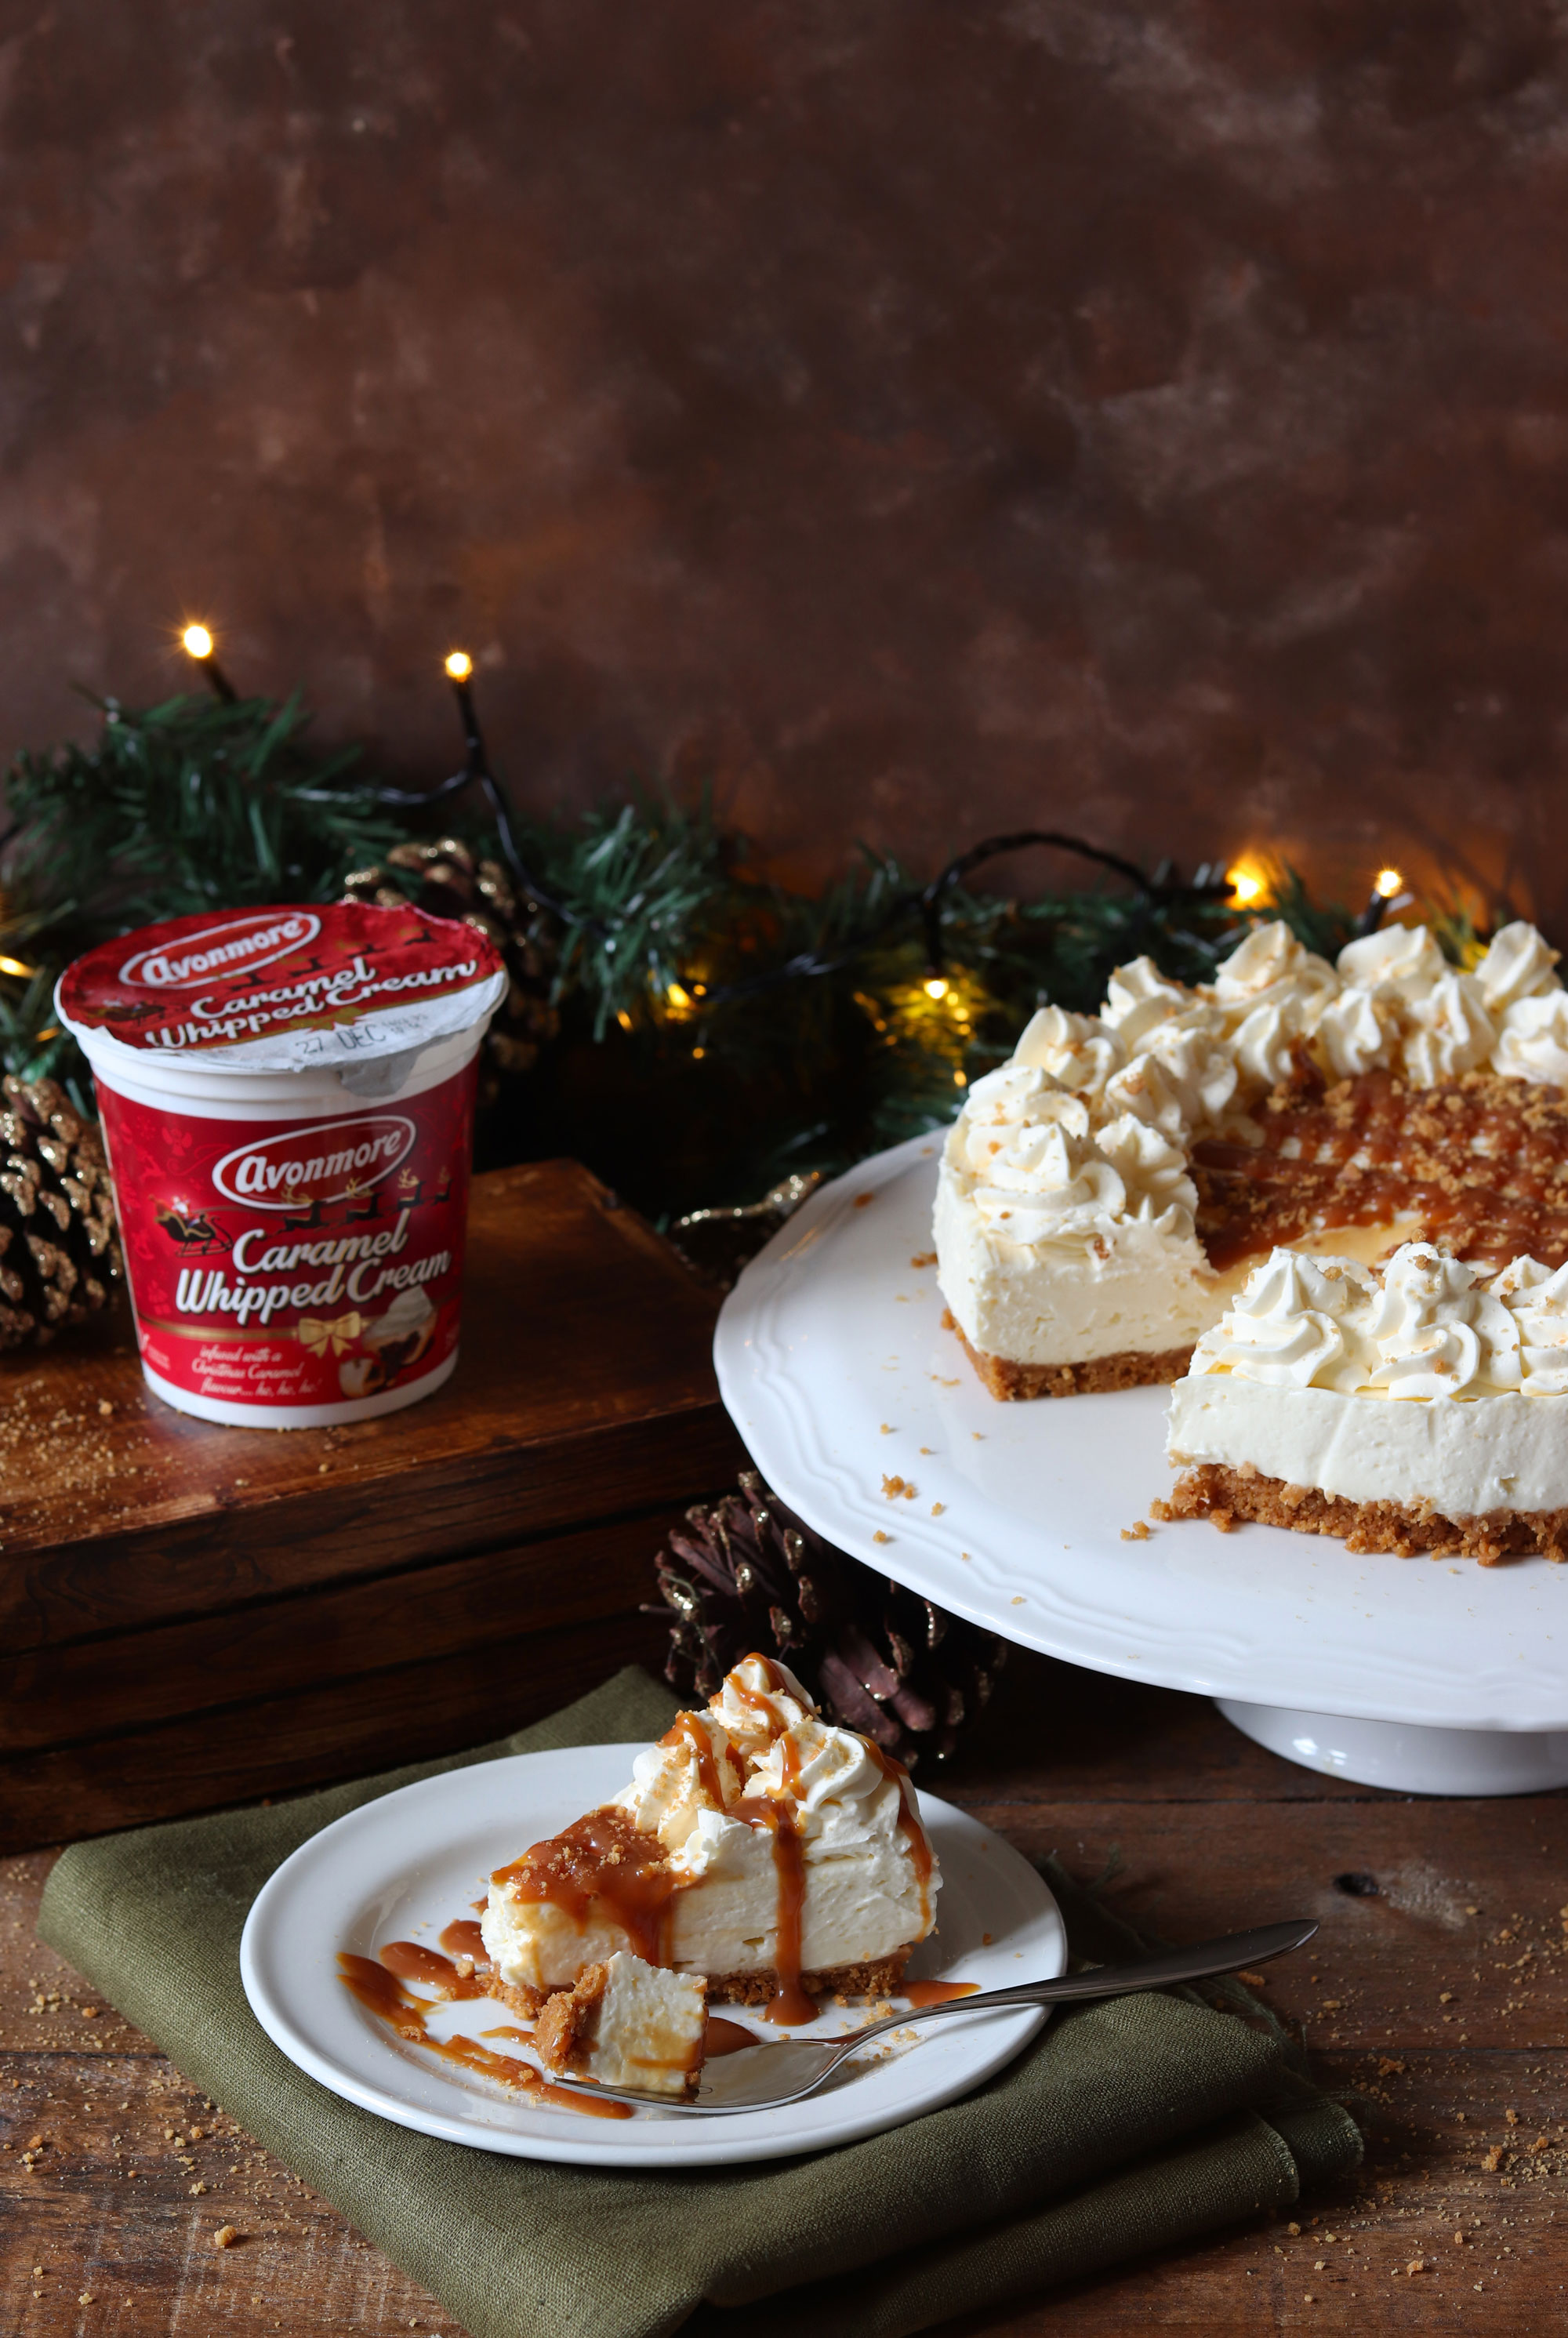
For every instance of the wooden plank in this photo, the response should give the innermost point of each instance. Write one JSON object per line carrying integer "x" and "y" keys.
{"x": 93, "y": 1689}
{"x": 1461, "y": 1942}
{"x": 585, "y": 1386}
{"x": 372, "y": 1722}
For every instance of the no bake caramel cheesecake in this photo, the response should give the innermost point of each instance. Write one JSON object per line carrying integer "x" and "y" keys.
{"x": 1103, "y": 1197}
{"x": 757, "y": 1845}
{"x": 1421, "y": 1408}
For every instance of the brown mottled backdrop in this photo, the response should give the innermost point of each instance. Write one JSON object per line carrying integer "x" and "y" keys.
{"x": 920, "y": 418}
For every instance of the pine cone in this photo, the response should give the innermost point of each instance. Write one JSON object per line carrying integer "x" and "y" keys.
{"x": 453, "y": 884}
{"x": 59, "y": 1254}
{"x": 745, "y": 1573}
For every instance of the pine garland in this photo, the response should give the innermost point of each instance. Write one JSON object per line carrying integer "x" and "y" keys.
{"x": 717, "y": 1032}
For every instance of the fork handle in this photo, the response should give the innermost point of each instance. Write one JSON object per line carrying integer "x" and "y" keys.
{"x": 1203, "y": 1961}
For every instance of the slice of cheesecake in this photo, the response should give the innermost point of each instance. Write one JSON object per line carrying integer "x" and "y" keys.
{"x": 626, "y": 2023}
{"x": 779, "y": 1857}
{"x": 1422, "y": 1408}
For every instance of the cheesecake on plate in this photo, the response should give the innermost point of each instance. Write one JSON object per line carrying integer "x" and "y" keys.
{"x": 775, "y": 1854}
{"x": 1421, "y": 1408}
{"x": 626, "y": 2023}
{"x": 1103, "y": 1195}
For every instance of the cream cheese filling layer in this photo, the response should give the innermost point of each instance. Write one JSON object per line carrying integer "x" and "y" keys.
{"x": 1466, "y": 1458}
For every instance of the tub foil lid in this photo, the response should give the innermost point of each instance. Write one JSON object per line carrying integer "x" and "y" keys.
{"x": 299, "y": 988}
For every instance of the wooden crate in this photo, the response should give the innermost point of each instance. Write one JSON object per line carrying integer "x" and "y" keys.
{"x": 192, "y": 1615}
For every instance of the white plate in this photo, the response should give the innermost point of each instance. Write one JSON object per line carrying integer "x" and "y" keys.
{"x": 832, "y": 1330}
{"x": 403, "y": 1867}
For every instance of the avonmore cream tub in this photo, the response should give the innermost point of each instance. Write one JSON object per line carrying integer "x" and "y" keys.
{"x": 288, "y": 1107}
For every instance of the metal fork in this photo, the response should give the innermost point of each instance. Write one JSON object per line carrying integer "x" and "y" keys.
{"x": 793, "y": 2068}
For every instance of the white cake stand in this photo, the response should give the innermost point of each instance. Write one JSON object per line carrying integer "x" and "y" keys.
{"x": 1430, "y": 1676}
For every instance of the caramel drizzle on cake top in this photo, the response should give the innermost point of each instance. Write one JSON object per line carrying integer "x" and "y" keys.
{"x": 1480, "y": 1161}
{"x": 603, "y": 1858}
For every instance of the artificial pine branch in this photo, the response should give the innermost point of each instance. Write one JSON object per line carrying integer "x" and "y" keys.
{"x": 192, "y": 805}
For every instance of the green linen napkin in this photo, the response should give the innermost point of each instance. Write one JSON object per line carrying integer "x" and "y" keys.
{"x": 1125, "y": 2127}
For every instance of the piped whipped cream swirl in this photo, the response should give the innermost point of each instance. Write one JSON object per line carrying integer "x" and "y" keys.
{"x": 1426, "y": 1327}
{"x": 1401, "y": 1006}
{"x": 1041, "y": 1172}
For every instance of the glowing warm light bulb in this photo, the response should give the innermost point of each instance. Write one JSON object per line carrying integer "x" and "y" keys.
{"x": 459, "y": 666}
{"x": 17, "y": 967}
{"x": 938, "y": 987}
{"x": 196, "y": 642}
{"x": 1387, "y": 882}
{"x": 1247, "y": 883}
{"x": 677, "y": 996}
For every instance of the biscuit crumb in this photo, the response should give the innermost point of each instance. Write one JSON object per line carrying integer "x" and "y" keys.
{"x": 937, "y": 1508}
{"x": 881, "y": 1536}
{"x": 886, "y": 1429}
{"x": 924, "y": 1258}
{"x": 225, "y": 2236}
{"x": 864, "y": 1201}
{"x": 895, "y": 1486}
{"x": 1136, "y": 1532}
{"x": 1495, "y": 2158}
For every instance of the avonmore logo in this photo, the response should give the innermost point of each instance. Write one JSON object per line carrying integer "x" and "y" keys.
{"x": 332, "y": 1161}
{"x": 232, "y": 947}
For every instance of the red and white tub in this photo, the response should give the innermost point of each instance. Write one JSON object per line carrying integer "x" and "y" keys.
{"x": 287, "y": 1105}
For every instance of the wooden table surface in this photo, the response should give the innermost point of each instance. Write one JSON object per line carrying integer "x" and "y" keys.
{"x": 1436, "y": 1990}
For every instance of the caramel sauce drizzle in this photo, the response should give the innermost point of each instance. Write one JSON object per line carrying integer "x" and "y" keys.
{"x": 1478, "y": 1160}
{"x": 909, "y": 1825}
{"x": 462, "y": 1939}
{"x": 727, "y": 2037}
{"x": 790, "y": 2005}
{"x": 929, "y": 1992}
{"x": 604, "y": 1860}
{"x": 687, "y": 1730}
{"x": 379, "y": 1986}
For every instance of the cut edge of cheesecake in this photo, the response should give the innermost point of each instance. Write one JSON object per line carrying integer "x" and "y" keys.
{"x": 1016, "y": 1383}
{"x": 1225, "y": 1495}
